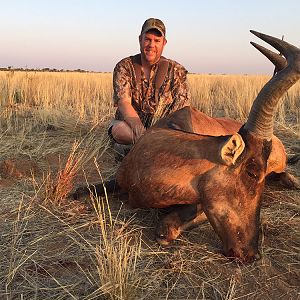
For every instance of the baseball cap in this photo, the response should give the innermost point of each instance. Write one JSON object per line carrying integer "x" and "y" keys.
{"x": 153, "y": 23}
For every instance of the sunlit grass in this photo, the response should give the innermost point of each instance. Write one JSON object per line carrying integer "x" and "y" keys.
{"x": 41, "y": 98}
{"x": 34, "y": 99}
{"x": 54, "y": 247}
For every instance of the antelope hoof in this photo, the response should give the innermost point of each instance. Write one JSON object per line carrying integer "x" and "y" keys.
{"x": 166, "y": 233}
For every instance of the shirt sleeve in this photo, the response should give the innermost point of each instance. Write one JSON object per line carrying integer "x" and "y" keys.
{"x": 121, "y": 82}
{"x": 180, "y": 91}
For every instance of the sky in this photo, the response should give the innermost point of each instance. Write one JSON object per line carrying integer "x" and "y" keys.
{"x": 209, "y": 36}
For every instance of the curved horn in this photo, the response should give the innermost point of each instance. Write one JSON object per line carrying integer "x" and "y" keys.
{"x": 261, "y": 118}
{"x": 278, "y": 61}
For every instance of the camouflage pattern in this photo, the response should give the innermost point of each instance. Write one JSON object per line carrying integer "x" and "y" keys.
{"x": 153, "y": 23}
{"x": 173, "y": 94}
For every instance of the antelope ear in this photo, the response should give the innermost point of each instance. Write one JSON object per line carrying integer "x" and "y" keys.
{"x": 232, "y": 149}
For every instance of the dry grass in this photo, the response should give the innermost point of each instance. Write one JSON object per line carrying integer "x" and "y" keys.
{"x": 53, "y": 248}
{"x": 232, "y": 96}
{"x": 56, "y": 190}
{"x": 32, "y": 100}
{"x": 41, "y": 100}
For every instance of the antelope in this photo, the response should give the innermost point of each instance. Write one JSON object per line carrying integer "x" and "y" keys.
{"x": 220, "y": 178}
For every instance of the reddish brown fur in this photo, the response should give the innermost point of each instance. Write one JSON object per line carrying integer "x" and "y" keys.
{"x": 192, "y": 120}
{"x": 158, "y": 166}
{"x": 158, "y": 175}
{"x": 180, "y": 219}
{"x": 232, "y": 201}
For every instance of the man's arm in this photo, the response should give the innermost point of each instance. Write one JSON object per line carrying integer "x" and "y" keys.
{"x": 131, "y": 118}
{"x": 122, "y": 99}
{"x": 126, "y": 109}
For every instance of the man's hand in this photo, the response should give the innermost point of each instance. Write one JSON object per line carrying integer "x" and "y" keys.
{"x": 131, "y": 118}
{"x": 136, "y": 126}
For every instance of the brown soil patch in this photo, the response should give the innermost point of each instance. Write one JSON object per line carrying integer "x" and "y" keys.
{"x": 18, "y": 168}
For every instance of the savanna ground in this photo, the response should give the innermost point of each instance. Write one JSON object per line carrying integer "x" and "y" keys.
{"x": 53, "y": 138}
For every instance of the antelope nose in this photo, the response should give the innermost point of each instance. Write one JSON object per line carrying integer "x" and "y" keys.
{"x": 244, "y": 257}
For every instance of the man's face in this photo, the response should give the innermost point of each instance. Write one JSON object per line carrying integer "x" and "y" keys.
{"x": 152, "y": 45}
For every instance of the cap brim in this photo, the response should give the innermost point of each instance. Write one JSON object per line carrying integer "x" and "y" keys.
{"x": 146, "y": 29}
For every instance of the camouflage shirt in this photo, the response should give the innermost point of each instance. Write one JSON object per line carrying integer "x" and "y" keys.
{"x": 173, "y": 93}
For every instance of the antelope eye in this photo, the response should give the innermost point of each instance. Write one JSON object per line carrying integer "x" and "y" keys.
{"x": 252, "y": 175}
{"x": 253, "y": 170}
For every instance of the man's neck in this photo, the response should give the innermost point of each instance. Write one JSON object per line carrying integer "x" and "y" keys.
{"x": 146, "y": 64}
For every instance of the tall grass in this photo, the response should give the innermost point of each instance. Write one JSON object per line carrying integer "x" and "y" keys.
{"x": 233, "y": 95}
{"x": 117, "y": 254}
{"x": 33, "y": 98}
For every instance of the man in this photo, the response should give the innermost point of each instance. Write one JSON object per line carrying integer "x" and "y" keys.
{"x": 147, "y": 86}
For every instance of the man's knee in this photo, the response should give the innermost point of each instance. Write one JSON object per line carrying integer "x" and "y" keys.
{"x": 121, "y": 132}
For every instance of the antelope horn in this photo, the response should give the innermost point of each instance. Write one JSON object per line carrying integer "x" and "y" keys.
{"x": 278, "y": 61}
{"x": 261, "y": 117}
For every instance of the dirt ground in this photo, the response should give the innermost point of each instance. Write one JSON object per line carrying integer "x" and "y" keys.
{"x": 46, "y": 248}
